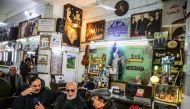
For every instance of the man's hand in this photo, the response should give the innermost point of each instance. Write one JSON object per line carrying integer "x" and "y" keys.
{"x": 28, "y": 91}
{"x": 39, "y": 106}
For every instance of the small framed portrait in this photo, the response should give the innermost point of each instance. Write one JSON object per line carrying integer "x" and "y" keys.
{"x": 45, "y": 41}
{"x": 146, "y": 24}
{"x": 23, "y": 29}
{"x": 95, "y": 30}
{"x": 42, "y": 59}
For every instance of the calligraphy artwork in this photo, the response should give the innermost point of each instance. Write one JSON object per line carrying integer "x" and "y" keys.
{"x": 117, "y": 29}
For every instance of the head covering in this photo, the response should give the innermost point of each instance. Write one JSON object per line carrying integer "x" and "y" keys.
{"x": 103, "y": 92}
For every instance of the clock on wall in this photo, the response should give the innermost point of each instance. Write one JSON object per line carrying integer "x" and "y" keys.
{"x": 121, "y": 8}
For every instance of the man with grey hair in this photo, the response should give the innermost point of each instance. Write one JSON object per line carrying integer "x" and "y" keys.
{"x": 101, "y": 99}
{"x": 14, "y": 79}
{"x": 70, "y": 100}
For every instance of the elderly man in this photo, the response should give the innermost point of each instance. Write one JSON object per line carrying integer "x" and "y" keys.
{"x": 101, "y": 99}
{"x": 71, "y": 100}
{"x": 14, "y": 79}
{"x": 35, "y": 97}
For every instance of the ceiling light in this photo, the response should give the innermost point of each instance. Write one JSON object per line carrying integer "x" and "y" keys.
{"x": 26, "y": 13}
{"x": 1, "y": 23}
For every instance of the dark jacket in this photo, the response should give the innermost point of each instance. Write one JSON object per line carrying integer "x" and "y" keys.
{"x": 18, "y": 81}
{"x": 63, "y": 103}
{"x": 110, "y": 105}
{"x": 46, "y": 97}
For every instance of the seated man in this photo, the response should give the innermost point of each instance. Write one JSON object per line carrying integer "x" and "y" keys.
{"x": 14, "y": 79}
{"x": 101, "y": 99}
{"x": 71, "y": 100}
{"x": 34, "y": 97}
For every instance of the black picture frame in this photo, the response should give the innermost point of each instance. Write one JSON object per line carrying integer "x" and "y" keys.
{"x": 33, "y": 26}
{"x": 23, "y": 29}
{"x": 151, "y": 23}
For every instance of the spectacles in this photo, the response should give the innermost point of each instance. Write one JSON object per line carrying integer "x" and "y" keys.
{"x": 70, "y": 90}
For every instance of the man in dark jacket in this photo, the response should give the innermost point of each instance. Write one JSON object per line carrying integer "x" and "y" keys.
{"x": 34, "y": 97}
{"x": 71, "y": 100}
{"x": 101, "y": 99}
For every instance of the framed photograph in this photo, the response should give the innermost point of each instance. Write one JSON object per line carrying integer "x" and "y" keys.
{"x": 23, "y": 29}
{"x": 146, "y": 24}
{"x": 71, "y": 62}
{"x": 93, "y": 68}
{"x": 42, "y": 59}
{"x": 45, "y": 41}
{"x": 33, "y": 26}
{"x": 95, "y": 30}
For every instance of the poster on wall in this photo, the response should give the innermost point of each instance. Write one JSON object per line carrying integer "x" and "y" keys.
{"x": 45, "y": 41}
{"x": 95, "y": 30}
{"x": 56, "y": 62}
{"x": 55, "y": 41}
{"x": 33, "y": 26}
{"x": 117, "y": 29}
{"x": 46, "y": 25}
{"x": 174, "y": 12}
{"x": 73, "y": 17}
{"x": 145, "y": 24}
{"x": 71, "y": 61}
{"x": 130, "y": 61}
{"x": 23, "y": 29}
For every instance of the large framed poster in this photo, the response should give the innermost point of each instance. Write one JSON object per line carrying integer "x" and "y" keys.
{"x": 73, "y": 24}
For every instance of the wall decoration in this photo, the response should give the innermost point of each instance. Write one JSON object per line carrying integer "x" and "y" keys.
{"x": 71, "y": 62}
{"x": 73, "y": 17}
{"x": 56, "y": 62}
{"x": 45, "y": 41}
{"x": 146, "y": 23}
{"x": 117, "y": 29}
{"x": 56, "y": 40}
{"x": 33, "y": 26}
{"x": 46, "y": 25}
{"x": 42, "y": 59}
{"x": 95, "y": 30}
{"x": 23, "y": 29}
{"x": 175, "y": 31}
{"x": 174, "y": 12}
{"x": 128, "y": 60}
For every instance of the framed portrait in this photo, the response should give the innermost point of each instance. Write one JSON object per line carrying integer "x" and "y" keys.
{"x": 33, "y": 26}
{"x": 146, "y": 24}
{"x": 23, "y": 29}
{"x": 71, "y": 62}
{"x": 42, "y": 59}
{"x": 45, "y": 41}
{"x": 95, "y": 30}
{"x": 73, "y": 17}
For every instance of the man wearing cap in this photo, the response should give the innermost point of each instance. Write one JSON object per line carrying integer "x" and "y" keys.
{"x": 71, "y": 100}
{"x": 101, "y": 99}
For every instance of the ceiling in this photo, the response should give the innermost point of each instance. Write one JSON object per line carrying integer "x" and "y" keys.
{"x": 8, "y": 7}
